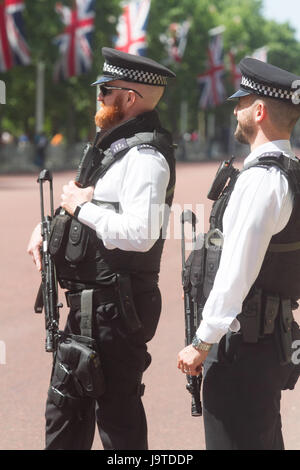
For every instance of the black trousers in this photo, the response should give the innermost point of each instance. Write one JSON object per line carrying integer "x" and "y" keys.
{"x": 241, "y": 395}
{"x": 119, "y": 412}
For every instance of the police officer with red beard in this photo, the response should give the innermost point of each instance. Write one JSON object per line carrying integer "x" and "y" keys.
{"x": 120, "y": 248}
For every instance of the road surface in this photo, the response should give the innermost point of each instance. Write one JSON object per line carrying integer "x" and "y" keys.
{"x": 25, "y": 366}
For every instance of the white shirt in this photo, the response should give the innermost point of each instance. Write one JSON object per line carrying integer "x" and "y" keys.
{"x": 136, "y": 182}
{"x": 259, "y": 207}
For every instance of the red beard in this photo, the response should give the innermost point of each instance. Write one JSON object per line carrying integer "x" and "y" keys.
{"x": 109, "y": 116}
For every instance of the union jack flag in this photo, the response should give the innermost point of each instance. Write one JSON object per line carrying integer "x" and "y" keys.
{"x": 131, "y": 27}
{"x": 236, "y": 75}
{"x": 13, "y": 47}
{"x": 74, "y": 42}
{"x": 175, "y": 40}
{"x": 211, "y": 81}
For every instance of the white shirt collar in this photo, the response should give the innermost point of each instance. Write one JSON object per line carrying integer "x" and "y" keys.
{"x": 274, "y": 146}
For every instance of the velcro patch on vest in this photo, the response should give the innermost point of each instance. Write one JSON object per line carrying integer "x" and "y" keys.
{"x": 118, "y": 146}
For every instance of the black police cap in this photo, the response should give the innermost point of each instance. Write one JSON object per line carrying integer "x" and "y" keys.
{"x": 120, "y": 65}
{"x": 263, "y": 79}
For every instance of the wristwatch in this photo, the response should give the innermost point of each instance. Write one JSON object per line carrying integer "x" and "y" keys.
{"x": 200, "y": 345}
{"x": 77, "y": 209}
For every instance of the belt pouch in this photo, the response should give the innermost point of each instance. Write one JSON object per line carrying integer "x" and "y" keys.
{"x": 250, "y": 316}
{"x": 213, "y": 255}
{"x": 77, "y": 242}
{"x": 284, "y": 332}
{"x": 270, "y": 313}
{"x": 59, "y": 235}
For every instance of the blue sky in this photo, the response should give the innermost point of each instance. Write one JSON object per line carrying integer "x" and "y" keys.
{"x": 282, "y": 11}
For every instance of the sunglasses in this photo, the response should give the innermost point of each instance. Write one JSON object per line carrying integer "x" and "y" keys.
{"x": 107, "y": 90}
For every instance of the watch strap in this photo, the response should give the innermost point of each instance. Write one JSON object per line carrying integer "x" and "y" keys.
{"x": 78, "y": 209}
{"x": 200, "y": 345}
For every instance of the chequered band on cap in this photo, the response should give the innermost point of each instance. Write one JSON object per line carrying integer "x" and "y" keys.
{"x": 266, "y": 90}
{"x": 140, "y": 76}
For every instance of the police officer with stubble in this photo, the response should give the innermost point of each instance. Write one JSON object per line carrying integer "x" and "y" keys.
{"x": 113, "y": 217}
{"x": 244, "y": 339}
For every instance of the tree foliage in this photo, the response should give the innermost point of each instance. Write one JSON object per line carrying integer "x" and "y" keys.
{"x": 70, "y": 105}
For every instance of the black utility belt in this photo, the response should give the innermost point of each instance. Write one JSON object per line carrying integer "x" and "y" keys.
{"x": 120, "y": 292}
{"x": 100, "y": 296}
{"x": 264, "y": 315}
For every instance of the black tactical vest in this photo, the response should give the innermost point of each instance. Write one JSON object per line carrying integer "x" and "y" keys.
{"x": 95, "y": 264}
{"x": 280, "y": 271}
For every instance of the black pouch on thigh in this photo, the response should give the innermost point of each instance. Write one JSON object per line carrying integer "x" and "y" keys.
{"x": 81, "y": 356}
{"x": 77, "y": 370}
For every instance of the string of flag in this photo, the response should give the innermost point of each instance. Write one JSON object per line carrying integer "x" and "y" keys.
{"x": 74, "y": 43}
